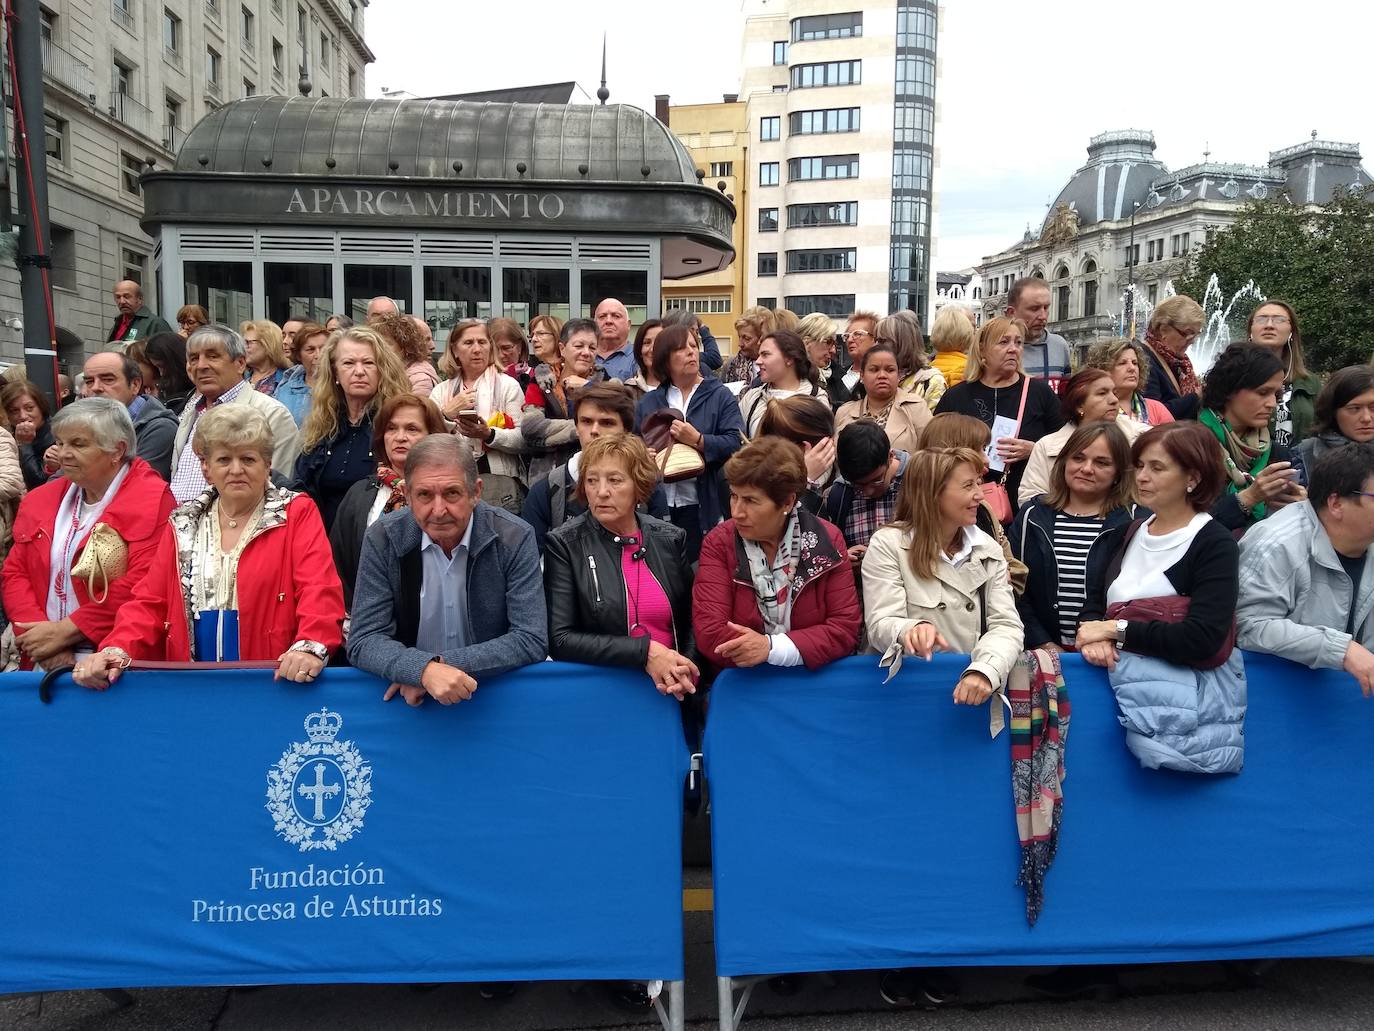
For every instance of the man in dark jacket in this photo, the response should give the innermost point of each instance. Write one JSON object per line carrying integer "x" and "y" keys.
{"x": 449, "y": 590}
{"x": 136, "y": 320}
{"x": 598, "y": 409}
{"x": 118, "y": 377}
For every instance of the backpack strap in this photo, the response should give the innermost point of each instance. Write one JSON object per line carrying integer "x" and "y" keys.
{"x": 558, "y": 496}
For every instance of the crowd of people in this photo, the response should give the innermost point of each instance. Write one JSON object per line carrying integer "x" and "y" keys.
{"x": 645, "y": 503}
{"x": 317, "y": 493}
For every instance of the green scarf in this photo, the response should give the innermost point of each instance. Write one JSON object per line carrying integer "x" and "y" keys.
{"x": 1246, "y": 456}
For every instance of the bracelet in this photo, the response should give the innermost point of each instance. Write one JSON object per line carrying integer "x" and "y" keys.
{"x": 1240, "y": 503}
{"x": 119, "y": 655}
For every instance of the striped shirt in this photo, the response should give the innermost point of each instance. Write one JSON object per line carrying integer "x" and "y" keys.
{"x": 1073, "y": 537}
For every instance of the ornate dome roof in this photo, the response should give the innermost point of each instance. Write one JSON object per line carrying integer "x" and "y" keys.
{"x": 1120, "y": 168}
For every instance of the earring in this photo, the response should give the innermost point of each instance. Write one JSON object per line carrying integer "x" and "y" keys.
{"x": 1190, "y": 488}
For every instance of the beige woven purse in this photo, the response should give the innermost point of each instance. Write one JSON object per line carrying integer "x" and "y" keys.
{"x": 105, "y": 556}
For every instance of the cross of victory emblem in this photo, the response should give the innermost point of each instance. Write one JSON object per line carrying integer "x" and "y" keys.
{"x": 319, "y": 790}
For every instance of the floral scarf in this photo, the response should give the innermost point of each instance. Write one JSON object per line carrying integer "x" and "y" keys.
{"x": 1180, "y": 365}
{"x": 394, "y": 482}
{"x": 773, "y": 584}
{"x": 1246, "y": 454}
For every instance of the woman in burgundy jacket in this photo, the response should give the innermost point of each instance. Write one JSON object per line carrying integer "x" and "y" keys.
{"x": 774, "y": 584}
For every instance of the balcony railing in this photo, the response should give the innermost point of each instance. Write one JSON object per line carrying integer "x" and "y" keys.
{"x": 249, "y": 47}
{"x": 212, "y": 9}
{"x": 67, "y": 70}
{"x": 123, "y": 14}
{"x": 172, "y": 57}
{"x": 213, "y": 88}
{"x": 124, "y": 108}
{"x": 173, "y": 138}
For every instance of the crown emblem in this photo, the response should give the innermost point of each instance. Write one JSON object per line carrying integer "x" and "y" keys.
{"x": 323, "y": 726}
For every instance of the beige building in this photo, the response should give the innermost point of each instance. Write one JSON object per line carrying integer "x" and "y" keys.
{"x": 124, "y": 81}
{"x": 717, "y": 137}
{"x": 841, "y": 122}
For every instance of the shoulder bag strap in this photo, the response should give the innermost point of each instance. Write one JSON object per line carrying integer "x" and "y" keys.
{"x": 1025, "y": 392}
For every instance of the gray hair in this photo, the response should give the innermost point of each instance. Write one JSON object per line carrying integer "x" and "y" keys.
{"x": 443, "y": 449}
{"x": 233, "y": 426}
{"x": 218, "y": 333}
{"x": 105, "y": 419}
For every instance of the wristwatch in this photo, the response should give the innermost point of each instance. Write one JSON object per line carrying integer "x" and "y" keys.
{"x": 1121, "y": 626}
{"x": 311, "y": 648}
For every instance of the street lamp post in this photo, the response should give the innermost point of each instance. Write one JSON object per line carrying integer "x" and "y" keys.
{"x": 1130, "y": 284}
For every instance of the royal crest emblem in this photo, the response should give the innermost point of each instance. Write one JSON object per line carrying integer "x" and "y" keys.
{"x": 319, "y": 790}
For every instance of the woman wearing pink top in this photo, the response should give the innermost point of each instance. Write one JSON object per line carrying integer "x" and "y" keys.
{"x": 618, "y": 582}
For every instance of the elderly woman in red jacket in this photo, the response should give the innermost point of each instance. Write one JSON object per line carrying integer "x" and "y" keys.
{"x": 242, "y": 572}
{"x": 774, "y": 584}
{"x": 83, "y": 540}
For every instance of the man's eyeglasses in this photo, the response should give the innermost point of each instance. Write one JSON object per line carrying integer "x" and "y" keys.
{"x": 857, "y": 333}
{"x": 1271, "y": 320}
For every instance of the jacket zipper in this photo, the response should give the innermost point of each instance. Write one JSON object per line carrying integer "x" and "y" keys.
{"x": 596, "y": 583}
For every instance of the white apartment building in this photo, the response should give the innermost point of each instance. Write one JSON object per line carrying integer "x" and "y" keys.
{"x": 841, "y": 117}
{"x": 123, "y": 82}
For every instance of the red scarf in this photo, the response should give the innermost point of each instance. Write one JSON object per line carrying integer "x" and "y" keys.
{"x": 1182, "y": 368}
{"x": 393, "y": 481}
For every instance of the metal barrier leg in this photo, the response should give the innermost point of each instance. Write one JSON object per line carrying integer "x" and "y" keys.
{"x": 725, "y": 991}
{"x": 673, "y": 1018}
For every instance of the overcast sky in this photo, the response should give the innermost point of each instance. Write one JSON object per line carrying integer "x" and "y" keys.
{"x": 1023, "y": 85}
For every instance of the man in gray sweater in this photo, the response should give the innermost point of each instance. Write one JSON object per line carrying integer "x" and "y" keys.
{"x": 1306, "y": 583}
{"x": 1044, "y": 354}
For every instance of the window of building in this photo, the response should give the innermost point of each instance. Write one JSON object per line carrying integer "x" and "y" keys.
{"x": 766, "y": 302}
{"x": 833, "y": 259}
{"x": 915, "y": 27}
{"x": 833, "y": 166}
{"x": 770, "y": 128}
{"x": 839, "y": 213}
{"x": 828, "y": 26}
{"x": 834, "y": 305}
{"x": 781, "y": 88}
{"x": 768, "y": 263}
{"x": 55, "y": 139}
{"x": 123, "y": 78}
{"x": 780, "y": 51}
{"x": 910, "y": 170}
{"x": 213, "y": 65}
{"x": 324, "y": 53}
{"x": 768, "y": 173}
{"x": 278, "y": 57}
{"x": 135, "y": 262}
{"x": 1186, "y": 242}
{"x": 123, "y": 12}
{"x": 1174, "y": 242}
{"x": 915, "y": 74}
{"x": 710, "y": 305}
{"x": 914, "y": 123}
{"x": 250, "y": 26}
{"x": 171, "y": 32}
{"x": 768, "y": 220}
{"x": 250, "y": 88}
{"x": 1090, "y": 290}
{"x": 1133, "y": 254}
{"x": 172, "y": 122}
{"x": 813, "y": 123}
{"x": 63, "y": 257}
{"x": 131, "y": 168}
{"x": 1152, "y": 293}
{"x": 720, "y": 169}
{"x": 831, "y": 73}
{"x": 1062, "y": 313}
{"x": 352, "y": 81}
{"x": 47, "y": 25}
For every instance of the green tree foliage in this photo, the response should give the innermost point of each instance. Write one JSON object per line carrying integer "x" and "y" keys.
{"x": 1320, "y": 260}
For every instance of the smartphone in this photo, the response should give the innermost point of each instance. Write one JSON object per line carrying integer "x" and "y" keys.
{"x": 472, "y": 414}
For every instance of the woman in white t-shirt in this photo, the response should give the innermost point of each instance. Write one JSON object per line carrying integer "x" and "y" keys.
{"x": 785, "y": 370}
{"x": 1180, "y": 550}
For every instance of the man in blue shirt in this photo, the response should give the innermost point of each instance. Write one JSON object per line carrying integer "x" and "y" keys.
{"x": 449, "y": 590}
{"x": 614, "y": 349}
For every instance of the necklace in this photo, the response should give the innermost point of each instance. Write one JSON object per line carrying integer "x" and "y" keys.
{"x": 233, "y": 521}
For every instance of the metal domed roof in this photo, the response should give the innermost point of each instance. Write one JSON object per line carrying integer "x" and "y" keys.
{"x": 1121, "y": 165}
{"x": 436, "y": 139}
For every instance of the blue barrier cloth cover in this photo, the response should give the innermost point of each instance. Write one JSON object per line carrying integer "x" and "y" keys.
{"x": 175, "y": 830}
{"x": 862, "y": 826}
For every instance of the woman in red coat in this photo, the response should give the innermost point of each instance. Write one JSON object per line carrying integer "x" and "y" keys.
{"x": 774, "y": 584}
{"x": 242, "y": 572}
{"x": 60, "y": 600}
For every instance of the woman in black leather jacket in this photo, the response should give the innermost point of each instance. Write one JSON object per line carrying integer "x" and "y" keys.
{"x": 618, "y": 582}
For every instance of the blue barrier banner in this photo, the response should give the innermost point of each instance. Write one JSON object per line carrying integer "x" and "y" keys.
{"x": 858, "y": 825}
{"x": 216, "y": 827}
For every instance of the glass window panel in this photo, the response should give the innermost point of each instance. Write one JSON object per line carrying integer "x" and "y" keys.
{"x": 527, "y": 292}
{"x": 630, "y": 288}
{"x": 299, "y": 290}
{"x": 454, "y": 294}
{"x": 364, "y": 282}
{"x": 222, "y": 288}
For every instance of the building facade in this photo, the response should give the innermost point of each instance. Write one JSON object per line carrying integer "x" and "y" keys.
{"x": 841, "y": 119}
{"x": 1124, "y": 217}
{"x": 717, "y": 138}
{"x": 963, "y": 289}
{"x": 124, "y": 81}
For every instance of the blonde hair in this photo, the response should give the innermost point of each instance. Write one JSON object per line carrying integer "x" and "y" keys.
{"x": 270, "y": 338}
{"x": 816, "y": 327}
{"x": 233, "y": 426}
{"x": 327, "y": 405}
{"x": 951, "y": 330}
{"x": 785, "y": 319}
{"x": 864, "y": 316}
{"x": 993, "y": 331}
{"x": 448, "y": 362}
{"x": 918, "y": 504}
{"x": 630, "y": 452}
{"x": 1180, "y": 312}
{"x": 761, "y": 320}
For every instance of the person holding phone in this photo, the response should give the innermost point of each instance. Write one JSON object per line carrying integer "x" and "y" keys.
{"x": 1242, "y": 391}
